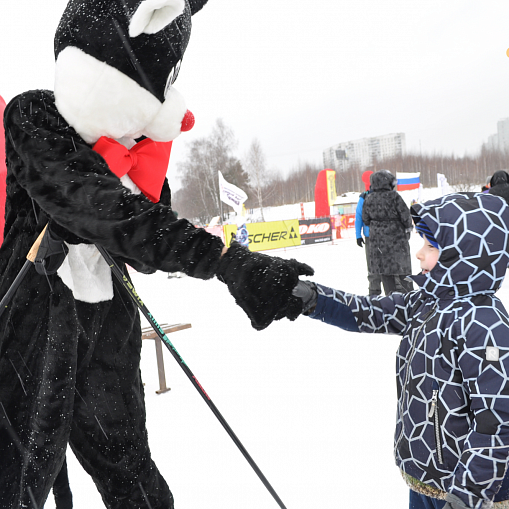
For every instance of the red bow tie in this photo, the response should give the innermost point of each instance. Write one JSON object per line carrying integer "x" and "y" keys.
{"x": 146, "y": 163}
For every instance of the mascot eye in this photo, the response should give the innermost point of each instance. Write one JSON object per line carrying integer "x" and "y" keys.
{"x": 172, "y": 76}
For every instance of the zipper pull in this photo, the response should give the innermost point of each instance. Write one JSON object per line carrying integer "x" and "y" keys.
{"x": 434, "y": 399}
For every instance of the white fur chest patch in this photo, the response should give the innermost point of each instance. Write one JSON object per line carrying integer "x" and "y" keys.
{"x": 86, "y": 274}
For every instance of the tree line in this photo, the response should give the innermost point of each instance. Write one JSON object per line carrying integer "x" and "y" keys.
{"x": 198, "y": 198}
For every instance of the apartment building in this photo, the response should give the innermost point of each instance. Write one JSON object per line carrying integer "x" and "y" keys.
{"x": 363, "y": 152}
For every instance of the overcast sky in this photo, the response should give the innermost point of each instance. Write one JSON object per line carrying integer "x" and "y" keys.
{"x": 301, "y": 76}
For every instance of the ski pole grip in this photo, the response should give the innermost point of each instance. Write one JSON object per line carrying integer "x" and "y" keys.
{"x": 35, "y": 247}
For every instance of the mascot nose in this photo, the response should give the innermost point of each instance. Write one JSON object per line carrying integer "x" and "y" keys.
{"x": 187, "y": 122}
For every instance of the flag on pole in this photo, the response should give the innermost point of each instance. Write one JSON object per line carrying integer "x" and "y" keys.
{"x": 230, "y": 194}
{"x": 408, "y": 181}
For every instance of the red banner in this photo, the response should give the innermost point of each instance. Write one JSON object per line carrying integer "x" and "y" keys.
{"x": 325, "y": 192}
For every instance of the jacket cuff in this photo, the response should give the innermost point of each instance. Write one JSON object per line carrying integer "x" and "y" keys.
{"x": 334, "y": 313}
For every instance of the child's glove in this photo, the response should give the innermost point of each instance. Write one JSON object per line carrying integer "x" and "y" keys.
{"x": 360, "y": 242}
{"x": 262, "y": 285}
{"x": 306, "y": 291}
{"x": 454, "y": 502}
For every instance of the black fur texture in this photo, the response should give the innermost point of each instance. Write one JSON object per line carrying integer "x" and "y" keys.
{"x": 69, "y": 370}
{"x": 500, "y": 184}
{"x": 389, "y": 221}
{"x": 101, "y": 29}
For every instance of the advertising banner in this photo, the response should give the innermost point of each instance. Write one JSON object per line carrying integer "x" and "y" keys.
{"x": 271, "y": 235}
{"x": 348, "y": 221}
{"x": 313, "y": 231}
{"x": 325, "y": 192}
{"x": 331, "y": 187}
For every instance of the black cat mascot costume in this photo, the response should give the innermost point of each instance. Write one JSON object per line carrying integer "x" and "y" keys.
{"x": 90, "y": 160}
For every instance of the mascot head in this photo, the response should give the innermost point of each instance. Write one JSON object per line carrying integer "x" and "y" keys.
{"x": 116, "y": 62}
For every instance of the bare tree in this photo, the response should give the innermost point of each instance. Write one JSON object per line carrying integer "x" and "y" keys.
{"x": 462, "y": 172}
{"x": 257, "y": 170}
{"x": 199, "y": 196}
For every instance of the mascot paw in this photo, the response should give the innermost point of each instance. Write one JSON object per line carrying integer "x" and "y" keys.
{"x": 262, "y": 285}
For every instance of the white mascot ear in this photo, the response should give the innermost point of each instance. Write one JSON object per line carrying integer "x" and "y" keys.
{"x": 153, "y": 15}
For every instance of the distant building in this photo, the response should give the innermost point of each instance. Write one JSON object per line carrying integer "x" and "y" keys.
{"x": 363, "y": 152}
{"x": 503, "y": 134}
{"x": 500, "y": 140}
{"x": 493, "y": 142}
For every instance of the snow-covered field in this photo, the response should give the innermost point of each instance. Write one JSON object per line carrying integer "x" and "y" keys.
{"x": 313, "y": 405}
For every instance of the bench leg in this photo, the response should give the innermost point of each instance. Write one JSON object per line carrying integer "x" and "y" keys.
{"x": 160, "y": 367}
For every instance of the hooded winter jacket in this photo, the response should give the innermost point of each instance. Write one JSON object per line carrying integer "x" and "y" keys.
{"x": 388, "y": 218}
{"x": 452, "y": 429}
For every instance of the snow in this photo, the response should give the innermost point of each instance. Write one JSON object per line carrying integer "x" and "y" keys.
{"x": 313, "y": 405}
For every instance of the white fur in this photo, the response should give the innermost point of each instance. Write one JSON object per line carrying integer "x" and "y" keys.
{"x": 98, "y": 100}
{"x": 169, "y": 117}
{"x": 86, "y": 274}
{"x": 153, "y": 15}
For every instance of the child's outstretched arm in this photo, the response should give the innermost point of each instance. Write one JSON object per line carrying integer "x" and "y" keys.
{"x": 353, "y": 312}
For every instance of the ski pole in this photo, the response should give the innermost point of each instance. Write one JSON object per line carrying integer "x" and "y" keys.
{"x": 141, "y": 306}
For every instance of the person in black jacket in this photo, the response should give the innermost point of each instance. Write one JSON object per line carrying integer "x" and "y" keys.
{"x": 499, "y": 184}
{"x": 390, "y": 224}
{"x": 374, "y": 280}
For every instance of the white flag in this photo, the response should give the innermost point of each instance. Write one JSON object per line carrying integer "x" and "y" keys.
{"x": 230, "y": 194}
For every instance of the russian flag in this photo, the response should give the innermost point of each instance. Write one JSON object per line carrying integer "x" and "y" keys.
{"x": 408, "y": 181}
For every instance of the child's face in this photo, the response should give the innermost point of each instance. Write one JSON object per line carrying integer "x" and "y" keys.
{"x": 428, "y": 256}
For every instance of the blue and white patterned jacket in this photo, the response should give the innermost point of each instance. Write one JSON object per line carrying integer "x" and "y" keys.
{"x": 452, "y": 429}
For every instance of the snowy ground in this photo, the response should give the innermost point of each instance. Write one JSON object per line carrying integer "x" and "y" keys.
{"x": 313, "y": 405}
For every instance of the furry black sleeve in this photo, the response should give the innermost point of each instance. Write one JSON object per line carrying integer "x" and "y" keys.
{"x": 73, "y": 185}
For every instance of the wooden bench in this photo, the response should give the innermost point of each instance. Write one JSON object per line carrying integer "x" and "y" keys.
{"x": 150, "y": 333}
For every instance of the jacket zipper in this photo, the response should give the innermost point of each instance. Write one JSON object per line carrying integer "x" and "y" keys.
{"x": 410, "y": 357}
{"x": 433, "y": 414}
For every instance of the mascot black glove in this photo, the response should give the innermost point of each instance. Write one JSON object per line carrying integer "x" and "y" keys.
{"x": 262, "y": 285}
{"x": 360, "y": 242}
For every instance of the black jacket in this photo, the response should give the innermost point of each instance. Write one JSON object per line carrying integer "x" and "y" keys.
{"x": 389, "y": 221}
{"x": 499, "y": 184}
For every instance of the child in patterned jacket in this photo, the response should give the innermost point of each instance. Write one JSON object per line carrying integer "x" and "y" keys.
{"x": 452, "y": 430}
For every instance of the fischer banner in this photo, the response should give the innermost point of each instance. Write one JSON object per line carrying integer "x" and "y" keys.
{"x": 313, "y": 231}
{"x": 271, "y": 235}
